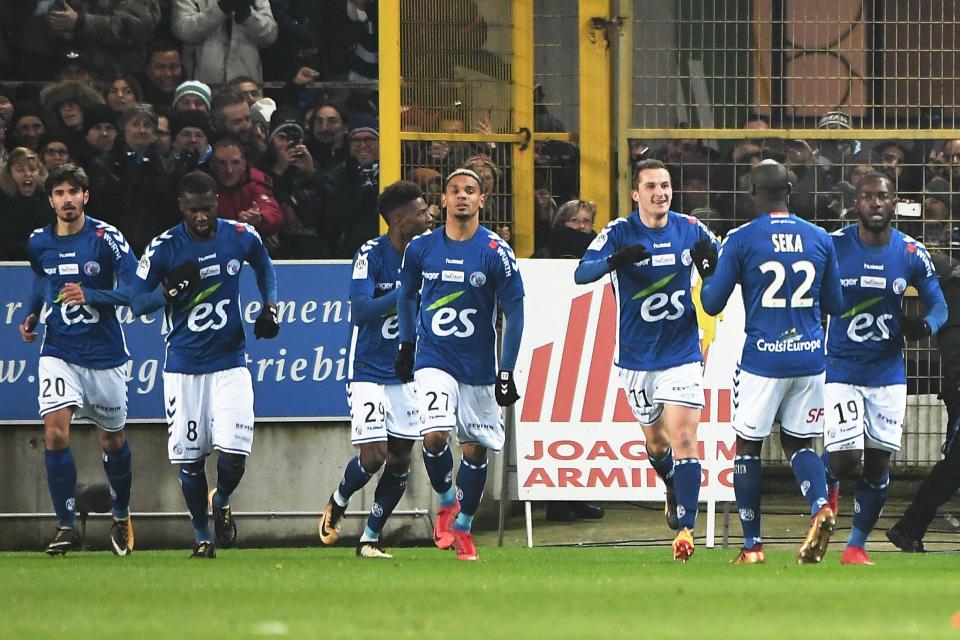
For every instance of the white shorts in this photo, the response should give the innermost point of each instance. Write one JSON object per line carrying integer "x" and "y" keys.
{"x": 208, "y": 411}
{"x": 100, "y": 395}
{"x": 863, "y": 417}
{"x": 795, "y": 403}
{"x": 445, "y": 403}
{"x": 378, "y": 410}
{"x": 648, "y": 391}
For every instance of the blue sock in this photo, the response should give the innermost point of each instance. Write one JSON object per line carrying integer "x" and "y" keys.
{"x": 117, "y": 465}
{"x": 385, "y": 499}
{"x": 868, "y": 503}
{"x": 355, "y": 477}
{"x": 663, "y": 466}
{"x": 229, "y": 472}
{"x": 470, "y": 481}
{"x": 748, "y": 486}
{"x": 833, "y": 482}
{"x": 809, "y": 472}
{"x": 439, "y": 468}
{"x": 62, "y": 480}
{"x": 193, "y": 484}
{"x": 686, "y": 482}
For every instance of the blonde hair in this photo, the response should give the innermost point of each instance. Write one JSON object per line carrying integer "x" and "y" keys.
{"x": 20, "y": 155}
{"x": 569, "y": 209}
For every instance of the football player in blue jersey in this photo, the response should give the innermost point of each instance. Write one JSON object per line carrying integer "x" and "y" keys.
{"x": 865, "y": 394}
{"x": 78, "y": 262}
{"x": 464, "y": 274}
{"x": 383, "y": 410}
{"x": 193, "y": 269}
{"x": 787, "y": 270}
{"x": 649, "y": 256}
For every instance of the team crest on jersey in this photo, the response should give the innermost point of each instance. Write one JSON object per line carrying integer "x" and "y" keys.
{"x": 478, "y": 279}
{"x": 899, "y": 286}
{"x": 91, "y": 268}
{"x": 233, "y": 267}
{"x": 685, "y": 258}
{"x": 144, "y": 267}
{"x": 178, "y": 449}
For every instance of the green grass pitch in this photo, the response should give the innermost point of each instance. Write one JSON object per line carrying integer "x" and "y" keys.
{"x": 511, "y": 593}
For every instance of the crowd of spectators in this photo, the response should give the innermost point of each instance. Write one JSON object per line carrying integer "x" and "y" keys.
{"x": 142, "y": 92}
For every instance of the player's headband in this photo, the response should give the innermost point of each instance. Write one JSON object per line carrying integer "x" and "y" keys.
{"x": 461, "y": 172}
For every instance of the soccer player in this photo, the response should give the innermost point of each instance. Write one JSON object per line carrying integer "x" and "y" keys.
{"x": 787, "y": 269}
{"x": 77, "y": 262}
{"x": 649, "y": 256}
{"x": 383, "y": 410}
{"x": 464, "y": 273}
{"x": 866, "y": 392}
{"x": 207, "y": 387}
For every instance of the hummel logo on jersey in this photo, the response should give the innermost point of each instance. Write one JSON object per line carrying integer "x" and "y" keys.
{"x": 661, "y": 245}
{"x": 875, "y": 267}
{"x": 72, "y": 254}
{"x": 454, "y": 260}
{"x": 208, "y": 257}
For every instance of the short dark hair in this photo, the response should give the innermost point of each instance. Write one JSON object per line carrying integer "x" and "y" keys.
{"x": 230, "y": 141}
{"x": 71, "y": 173}
{"x": 878, "y": 175}
{"x": 196, "y": 182}
{"x": 160, "y": 45}
{"x": 236, "y": 81}
{"x": 646, "y": 165}
{"x": 221, "y": 99}
{"x": 397, "y": 195}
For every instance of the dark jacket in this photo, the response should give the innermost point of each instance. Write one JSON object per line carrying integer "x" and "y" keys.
{"x": 353, "y": 205}
{"x": 565, "y": 242}
{"x": 19, "y": 216}
{"x": 132, "y": 193}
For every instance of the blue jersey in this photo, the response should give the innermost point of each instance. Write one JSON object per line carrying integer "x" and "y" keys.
{"x": 656, "y": 315}
{"x": 205, "y": 330}
{"x": 865, "y": 341}
{"x": 462, "y": 282}
{"x": 786, "y": 267}
{"x": 96, "y": 257}
{"x": 373, "y": 350}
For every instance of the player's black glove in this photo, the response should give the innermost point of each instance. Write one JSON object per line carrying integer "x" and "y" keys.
{"x": 506, "y": 389}
{"x": 179, "y": 281}
{"x": 914, "y": 328}
{"x": 704, "y": 256}
{"x": 628, "y": 255}
{"x": 267, "y": 325}
{"x": 404, "y": 362}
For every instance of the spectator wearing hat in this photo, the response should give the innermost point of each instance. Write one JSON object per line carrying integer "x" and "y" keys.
{"x": 192, "y": 95}
{"x": 306, "y": 229}
{"x": 244, "y": 192}
{"x": 27, "y": 125}
{"x": 327, "y": 134}
{"x": 223, "y": 37}
{"x": 54, "y": 150}
{"x": 354, "y": 187}
{"x": 833, "y": 154}
{"x": 99, "y": 133}
{"x": 64, "y": 102}
{"x": 121, "y": 91}
{"x": 190, "y": 135}
{"x": 162, "y": 72}
{"x": 260, "y": 113}
{"x": 23, "y": 204}
{"x": 129, "y": 187}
